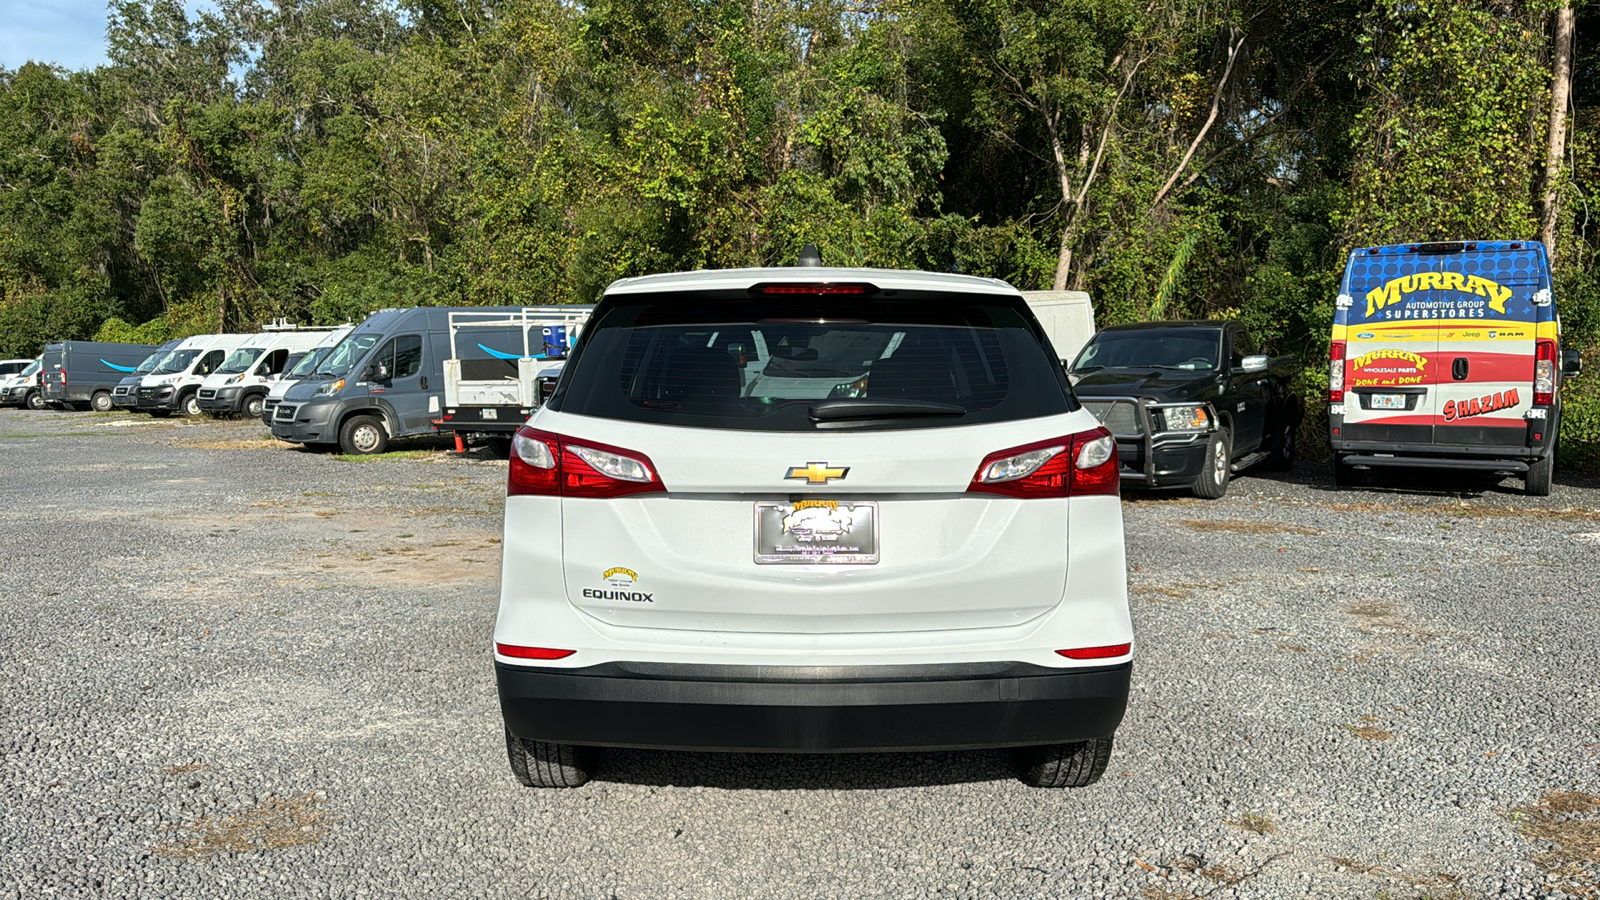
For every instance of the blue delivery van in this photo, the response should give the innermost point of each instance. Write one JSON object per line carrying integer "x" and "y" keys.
{"x": 1447, "y": 355}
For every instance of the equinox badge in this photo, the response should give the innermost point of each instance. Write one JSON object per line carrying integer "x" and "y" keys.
{"x": 817, "y": 472}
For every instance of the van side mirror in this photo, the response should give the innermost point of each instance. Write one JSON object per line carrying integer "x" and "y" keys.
{"x": 377, "y": 372}
{"x": 1571, "y": 363}
{"x": 1257, "y": 363}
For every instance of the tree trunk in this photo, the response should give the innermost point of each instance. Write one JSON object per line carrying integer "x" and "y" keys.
{"x": 1560, "y": 86}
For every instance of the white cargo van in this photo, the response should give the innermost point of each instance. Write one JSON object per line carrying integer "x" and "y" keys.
{"x": 1067, "y": 317}
{"x": 300, "y": 370}
{"x": 174, "y": 384}
{"x": 243, "y": 380}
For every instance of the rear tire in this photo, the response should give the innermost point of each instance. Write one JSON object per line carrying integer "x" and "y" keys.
{"x": 499, "y": 446}
{"x": 1344, "y": 475}
{"x": 1212, "y": 482}
{"x": 363, "y": 436}
{"x": 34, "y": 401}
{"x": 1063, "y": 765}
{"x": 100, "y": 402}
{"x": 1540, "y": 474}
{"x": 1281, "y": 459}
{"x": 540, "y": 764}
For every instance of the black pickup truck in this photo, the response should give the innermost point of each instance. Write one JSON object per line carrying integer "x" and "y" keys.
{"x": 1190, "y": 402}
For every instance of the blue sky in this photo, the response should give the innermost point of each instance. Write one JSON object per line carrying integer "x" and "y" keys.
{"x": 69, "y": 33}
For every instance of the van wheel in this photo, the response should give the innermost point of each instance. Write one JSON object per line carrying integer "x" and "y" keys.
{"x": 1063, "y": 765}
{"x": 363, "y": 435}
{"x": 1344, "y": 475}
{"x": 35, "y": 401}
{"x": 1282, "y": 457}
{"x": 546, "y": 765}
{"x": 1540, "y": 472}
{"x": 1212, "y": 481}
{"x": 253, "y": 405}
{"x": 189, "y": 405}
{"x": 100, "y": 402}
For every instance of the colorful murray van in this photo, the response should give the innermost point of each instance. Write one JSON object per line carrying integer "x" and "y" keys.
{"x": 1445, "y": 355}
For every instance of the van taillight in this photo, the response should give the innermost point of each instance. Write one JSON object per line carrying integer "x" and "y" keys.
{"x": 543, "y": 463}
{"x": 1336, "y": 372}
{"x": 1544, "y": 373}
{"x": 1076, "y": 465}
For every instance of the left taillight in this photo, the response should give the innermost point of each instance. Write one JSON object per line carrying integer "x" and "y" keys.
{"x": 1075, "y": 465}
{"x": 1544, "y": 373}
{"x": 548, "y": 464}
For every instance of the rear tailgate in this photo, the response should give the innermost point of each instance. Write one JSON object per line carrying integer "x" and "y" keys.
{"x": 687, "y": 558}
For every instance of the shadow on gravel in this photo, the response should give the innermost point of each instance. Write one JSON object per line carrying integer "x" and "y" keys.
{"x": 1418, "y": 482}
{"x": 802, "y": 771}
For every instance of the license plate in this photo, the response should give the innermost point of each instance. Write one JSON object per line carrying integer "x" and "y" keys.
{"x": 1388, "y": 401}
{"x": 817, "y": 531}
{"x": 491, "y": 414}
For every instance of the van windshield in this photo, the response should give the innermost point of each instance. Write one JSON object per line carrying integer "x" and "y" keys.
{"x": 347, "y": 354}
{"x": 308, "y": 363}
{"x": 240, "y": 360}
{"x": 33, "y": 368}
{"x": 149, "y": 363}
{"x": 176, "y": 361}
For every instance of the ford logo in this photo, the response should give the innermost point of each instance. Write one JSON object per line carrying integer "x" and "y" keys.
{"x": 1365, "y": 335}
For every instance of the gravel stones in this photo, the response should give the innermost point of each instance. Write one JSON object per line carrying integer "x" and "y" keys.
{"x": 239, "y": 669}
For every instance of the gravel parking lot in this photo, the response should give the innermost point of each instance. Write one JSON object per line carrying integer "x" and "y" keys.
{"x": 234, "y": 668}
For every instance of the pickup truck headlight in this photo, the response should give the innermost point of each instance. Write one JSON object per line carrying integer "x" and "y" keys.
{"x": 331, "y": 387}
{"x": 1186, "y": 418}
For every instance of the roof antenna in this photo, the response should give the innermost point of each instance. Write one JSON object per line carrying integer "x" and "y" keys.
{"x": 809, "y": 257}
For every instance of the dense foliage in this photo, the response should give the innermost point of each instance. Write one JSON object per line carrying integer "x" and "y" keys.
{"x": 317, "y": 159}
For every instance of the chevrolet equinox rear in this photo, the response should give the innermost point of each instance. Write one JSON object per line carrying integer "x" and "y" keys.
{"x": 813, "y": 510}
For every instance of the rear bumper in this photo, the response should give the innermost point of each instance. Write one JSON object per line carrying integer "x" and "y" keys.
{"x": 824, "y": 709}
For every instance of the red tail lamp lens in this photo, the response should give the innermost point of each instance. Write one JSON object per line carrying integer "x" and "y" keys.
{"x": 1336, "y": 372}
{"x": 1079, "y": 464}
{"x": 549, "y": 464}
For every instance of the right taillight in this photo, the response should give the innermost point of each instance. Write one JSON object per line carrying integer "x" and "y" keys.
{"x": 1336, "y": 372}
{"x": 544, "y": 463}
{"x": 1075, "y": 465}
{"x": 1544, "y": 373}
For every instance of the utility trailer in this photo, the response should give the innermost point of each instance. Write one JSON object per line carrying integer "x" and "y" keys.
{"x": 494, "y": 393}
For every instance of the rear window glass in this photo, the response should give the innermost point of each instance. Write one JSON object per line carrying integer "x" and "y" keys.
{"x": 799, "y": 364}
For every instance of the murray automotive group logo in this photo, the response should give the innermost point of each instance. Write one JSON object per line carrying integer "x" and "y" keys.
{"x": 818, "y": 472}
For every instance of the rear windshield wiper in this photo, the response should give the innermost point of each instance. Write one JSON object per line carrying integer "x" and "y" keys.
{"x": 832, "y": 410}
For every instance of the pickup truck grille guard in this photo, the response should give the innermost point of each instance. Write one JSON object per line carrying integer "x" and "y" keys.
{"x": 1133, "y": 421}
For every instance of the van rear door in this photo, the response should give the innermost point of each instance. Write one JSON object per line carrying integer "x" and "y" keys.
{"x": 1486, "y": 358}
{"x": 1391, "y": 340}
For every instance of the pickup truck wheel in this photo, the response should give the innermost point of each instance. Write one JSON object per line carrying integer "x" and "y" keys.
{"x": 363, "y": 435}
{"x": 1212, "y": 481}
{"x": 1540, "y": 472}
{"x": 547, "y": 765}
{"x": 100, "y": 402}
{"x": 1282, "y": 457}
{"x": 1063, "y": 765}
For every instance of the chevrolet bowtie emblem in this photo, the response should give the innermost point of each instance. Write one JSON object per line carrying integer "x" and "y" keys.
{"x": 817, "y": 472}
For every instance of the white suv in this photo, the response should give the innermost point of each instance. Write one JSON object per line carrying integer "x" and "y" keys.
{"x": 813, "y": 509}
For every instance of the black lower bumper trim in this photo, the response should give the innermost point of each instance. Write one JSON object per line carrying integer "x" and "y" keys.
{"x": 1423, "y": 462}
{"x": 675, "y": 707}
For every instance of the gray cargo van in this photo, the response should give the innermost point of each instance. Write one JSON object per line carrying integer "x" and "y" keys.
{"x": 82, "y": 374}
{"x": 126, "y": 394}
{"x": 384, "y": 380}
